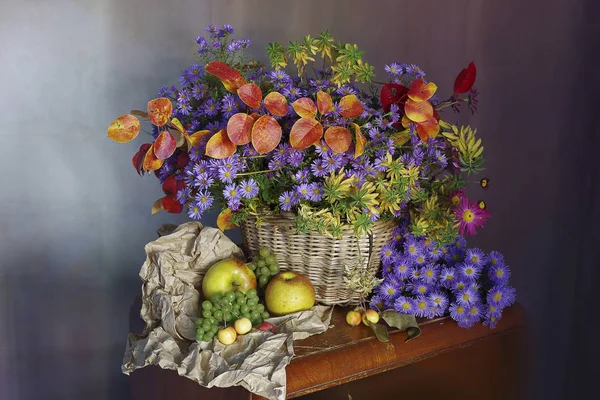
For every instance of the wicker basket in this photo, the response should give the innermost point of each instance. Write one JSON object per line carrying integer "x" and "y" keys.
{"x": 320, "y": 258}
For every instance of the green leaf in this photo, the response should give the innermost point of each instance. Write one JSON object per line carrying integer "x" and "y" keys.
{"x": 380, "y": 332}
{"x": 402, "y": 321}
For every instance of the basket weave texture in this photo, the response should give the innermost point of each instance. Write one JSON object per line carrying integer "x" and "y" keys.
{"x": 320, "y": 258}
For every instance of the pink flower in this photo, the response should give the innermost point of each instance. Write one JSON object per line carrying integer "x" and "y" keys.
{"x": 470, "y": 216}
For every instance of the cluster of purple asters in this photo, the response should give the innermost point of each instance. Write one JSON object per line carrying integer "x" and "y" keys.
{"x": 428, "y": 281}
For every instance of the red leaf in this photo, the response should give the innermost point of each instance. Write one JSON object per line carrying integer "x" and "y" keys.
{"x": 159, "y": 111}
{"x": 351, "y": 107}
{"x": 276, "y": 103}
{"x": 305, "y": 132}
{"x": 250, "y": 94}
{"x": 418, "y": 111}
{"x": 219, "y": 146}
{"x": 465, "y": 79}
{"x": 421, "y": 91}
{"x": 338, "y": 139}
{"x": 151, "y": 162}
{"x": 230, "y": 77}
{"x": 393, "y": 93}
{"x": 165, "y": 145}
{"x": 239, "y": 128}
{"x": 171, "y": 205}
{"x": 360, "y": 140}
{"x": 428, "y": 129}
{"x": 324, "y": 102}
{"x": 183, "y": 159}
{"x": 224, "y": 220}
{"x": 266, "y": 134}
{"x": 305, "y": 107}
{"x": 124, "y": 129}
{"x": 139, "y": 157}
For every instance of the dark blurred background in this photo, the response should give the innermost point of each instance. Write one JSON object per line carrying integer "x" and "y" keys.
{"x": 74, "y": 216}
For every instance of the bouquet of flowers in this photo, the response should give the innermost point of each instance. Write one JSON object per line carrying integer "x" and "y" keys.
{"x": 330, "y": 145}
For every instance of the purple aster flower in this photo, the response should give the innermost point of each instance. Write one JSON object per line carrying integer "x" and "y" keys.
{"x": 216, "y": 44}
{"x": 198, "y": 91}
{"x": 249, "y": 188}
{"x": 421, "y": 307}
{"x": 448, "y": 277}
{"x": 194, "y": 73}
{"x": 164, "y": 92}
{"x": 472, "y": 100}
{"x": 476, "y": 256}
{"x": 203, "y": 180}
{"x": 492, "y": 316}
{"x": 388, "y": 253}
{"x": 282, "y": 152}
{"x": 468, "y": 271}
{"x": 455, "y": 256}
{"x": 458, "y": 312}
{"x": 232, "y": 192}
{"x": 183, "y": 195}
{"x": 459, "y": 284}
{"x": 315, "y": 191}
{"x": 194, "y": 211}
{"x": 467, "y": 296}
{"x": 333, "y": 162}
{"x": 413, "y": 69}
{"x": 375, "y": 134}
{"x": 204, "y": 200}
{"x": 429, "y": 274}
{"x": 212, "y": 29}
{"x": 499, "y": 274}
{"x": 279, "y": 76}
{"x": 377, "y": 303}
{"x": 226, "y": 174}
{"x": 495, "y": 258}
{"x": 394, "y": 69}
{"x": 475, "y": 311}
{"x": 403, "y": 267}
{"x": 209, "y": 108}
{"x": 419, "y": 288}
{"x": 420, "y": 258}
{"x": 228, "y": 106}
{"x": 234, "y": 46}
{"x": 345, "y": 90}
{"x": 404, "y": 305}
{"x": 318, "y": 169}
{"x": 301, "y": 175}
{"x": 287, "y": 200}
{"x": 275, "y": 164}
{"x": 183, "y": 108}
{"x": 295, "y": 158}
{"x": 413, "y": 248}
{"x": 228, "y": 29}
{"x": 293, "y": 92}
{"x": 501, "y": 296}
{"x": 196, "y": 153}
{"x": 439, "y": 300}
{"x": 303, "y": 191}
{"x": 388, "y": 291}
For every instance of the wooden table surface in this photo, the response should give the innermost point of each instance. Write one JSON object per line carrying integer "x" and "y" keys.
{"x": 345, "y": 354}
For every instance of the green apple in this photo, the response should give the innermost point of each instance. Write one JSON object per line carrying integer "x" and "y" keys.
{"x": 227, "y": 335}
{"x": 289, "y": 292}
{"x": 242, "y": 326}
{"x": 229, "y": 275}
{"x": 371, "y": 316}
{"x": 353, "y": 318}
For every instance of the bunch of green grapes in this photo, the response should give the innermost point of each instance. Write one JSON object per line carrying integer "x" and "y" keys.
{"x": 265, "y": 266}
{"x": 221, "y": 310}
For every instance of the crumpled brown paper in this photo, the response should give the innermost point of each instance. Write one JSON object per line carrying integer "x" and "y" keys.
{"x": 174, "y": 267}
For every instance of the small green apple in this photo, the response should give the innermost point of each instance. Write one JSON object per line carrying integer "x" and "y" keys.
{"x": 371, "y": 316}
{"x": 229, "y": 275}
{"x": 242, "y": 326}
{"x": 353, "y": 318}
{"x": 289, "y": 292}
{"x": 227, "y": 335}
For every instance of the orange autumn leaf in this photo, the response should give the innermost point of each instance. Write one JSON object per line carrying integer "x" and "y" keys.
{"x": 225, "y": 220}
{"x": 157, "y": 206}
{"x": 266, "y": 134}
{"x": 231, "y": 78}
{"x": 164, "y": 145}
{"x": 219, "y": 146}
{"x": 428, "y": 129}
{"x": 276, "y": 103}
{"x": 351, "y": 107}
{"x": 405, "y": 122}
{"x": 305, "y": 132}
{"x": 305, "y": 107}
{"x": 418, "y": 111}
{"x": 196, "y": 138}
{"x": 338, "y": 139}
{"x": 324, "y": 102}
{"x": 239, "y": 128}
{"x": 124, "y": 129}
{"x": 359, "y": 147}
{"x": 421, "y": 91}
{"x": 159, "y": 111}
{"x": 250, "y": 94}
{"x": 151, "y": 162}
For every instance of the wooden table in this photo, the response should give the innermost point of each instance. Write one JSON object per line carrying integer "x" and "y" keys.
{"x": 444, "y": 362}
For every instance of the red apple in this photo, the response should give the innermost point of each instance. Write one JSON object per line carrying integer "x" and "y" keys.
{"x": 229, "y": 275}
{"x": 289, "y": 292}
{"x": 267, "y": 327}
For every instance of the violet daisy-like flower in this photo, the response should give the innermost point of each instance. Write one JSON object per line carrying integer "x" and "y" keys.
{"x": 287, "y": 200}
{"x": 295, "y": 158}
{"x": 419, "y": 288}
{"x": 204, "y": 200}
{"x": 209, "y": 108}
{"x": 388, "y": 291}
{"x": 501, "y": 296}
{"x": 318, "y": 168}
{"x": 458, "y": 312}
{"x": 388, "y": 253}
{"x": 303, "y": 191}
{"x": 194, "y": 211}
{"x": 315, "y": 191}
{"x": 183, "y": 195}
{"x": 203, "y": 180}
{"x": 459, "y": 284}
{"x": 282, "y": 152}
{"x": 413, "y": 248}
{"x": 492, "y": 316}
{"x": 301, "y": 176}
{"x": 404, "y": 305}
{"x": 476, "y": 256}
{"x": 420, "y": 258}
{"x": 194, "y": 72}
{"x": 232, "y": 192}
{"x": 403, "y": 267}
{"x": 467, "y": 296}
{"x": 429, "y": 274}
{"x": 249, "y": 188}
{"x": 212, "y": 29}
{"x": 469, "y": 271}
{"x": 196, "y": 153}
{"x": 394, "y": 69}
{"x": 475, "y": 311}
{"x": 455, "y": 256}
{"x": 226, "y": 174}
{"x": 439, "y": 300}
{"x": 495, "y": 258}
{"x": 435, "y": 254}
{"x": 228, "y": 106}
{"x": 499, "y": 274}
{"x": 421, "y": 307}
{"x": 377, "y": 303}
{"x": 279, "y": 76}
{"x": 228, "y": 29}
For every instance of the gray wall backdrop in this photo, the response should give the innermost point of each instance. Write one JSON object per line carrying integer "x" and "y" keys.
{"x": 74, "y": 215}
